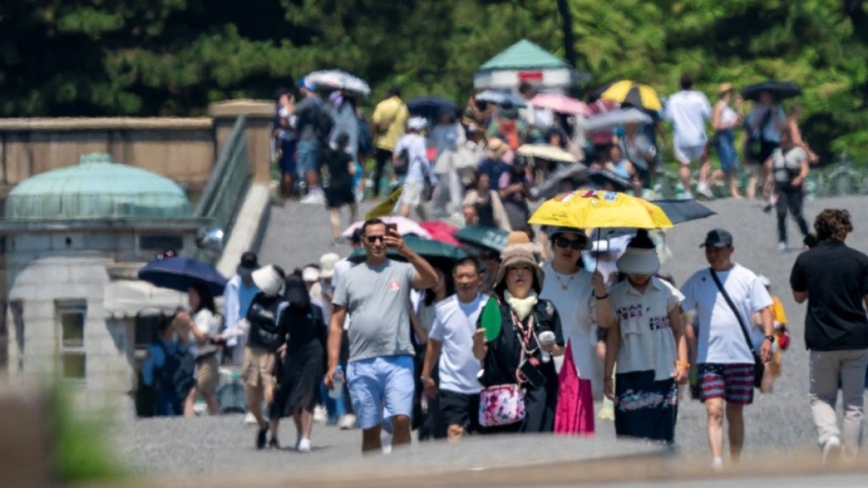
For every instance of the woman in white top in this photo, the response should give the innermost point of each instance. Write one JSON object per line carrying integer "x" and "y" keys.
{"x": 204, "y": 326}
{"x": 573, "y": 292}
{"x": 724, "y": 120}
{"x": 646, "y": 339}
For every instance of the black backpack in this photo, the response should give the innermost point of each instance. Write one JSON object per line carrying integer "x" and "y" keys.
{"x": 176, "y": 374}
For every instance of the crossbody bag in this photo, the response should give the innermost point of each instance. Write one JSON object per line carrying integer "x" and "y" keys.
{"x": 758, "y": 368}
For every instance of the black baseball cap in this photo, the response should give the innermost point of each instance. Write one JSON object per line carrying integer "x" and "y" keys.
{"x": 718, "y": 238}
{"x": 249, "y": 261}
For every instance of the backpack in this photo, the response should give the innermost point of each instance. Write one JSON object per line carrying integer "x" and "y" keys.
{"x": 176, "y": 374}
{"x": 323, "y": 123}
{"x": 402, "y": 164}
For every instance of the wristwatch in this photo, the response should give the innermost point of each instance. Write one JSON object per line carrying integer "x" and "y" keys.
{"x": 771, "y": 338}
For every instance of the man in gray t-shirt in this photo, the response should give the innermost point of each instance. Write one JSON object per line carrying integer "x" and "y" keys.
{"x": 380, "y": 370}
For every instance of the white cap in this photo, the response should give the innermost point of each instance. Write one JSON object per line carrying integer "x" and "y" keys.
{"x": 310, "y": 274}
{"x": 417, "y": 123}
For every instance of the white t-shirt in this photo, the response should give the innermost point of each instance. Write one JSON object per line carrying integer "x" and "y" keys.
{"x": 576, "y": 307}
{"x": 207, "y": 322}
{"x": 454, "y": 325}
{"x": 418, "y": 166}
{"x": 688, "y": 110}
{"x": 719, "y": 337}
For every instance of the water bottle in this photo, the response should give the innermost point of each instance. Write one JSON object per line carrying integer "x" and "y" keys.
{"x": 338, "y": 381}
{"x": 546, "y": 338}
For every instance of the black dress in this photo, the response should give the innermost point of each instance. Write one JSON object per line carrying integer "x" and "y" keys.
{"x": 302, "y": 370}
{"x": 340, "y": 190}
{"x": 502, "y": 361}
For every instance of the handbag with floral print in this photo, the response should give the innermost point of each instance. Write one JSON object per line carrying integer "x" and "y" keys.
{"x": 501, "y": 405}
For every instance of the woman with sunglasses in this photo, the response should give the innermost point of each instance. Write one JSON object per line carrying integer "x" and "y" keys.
{"x": 572, "y": 291}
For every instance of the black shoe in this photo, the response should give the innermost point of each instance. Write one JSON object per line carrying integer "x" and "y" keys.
{"x": 260, "y": 437}
{"x": 273, "y": 444}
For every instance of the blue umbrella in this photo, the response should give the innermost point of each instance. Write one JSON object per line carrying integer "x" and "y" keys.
{"x": 430, "y": 107}
{"x": 501, "y": 97}
{"x": 179, "y": 273}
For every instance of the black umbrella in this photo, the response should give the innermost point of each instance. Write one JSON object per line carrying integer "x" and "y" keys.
{"x": 680, "y": 211}
{"x": 780, "y": 89}
{"x": 600, "y": 177}
{"x": 551, "y": 186}
{"x": 431, "y": 107}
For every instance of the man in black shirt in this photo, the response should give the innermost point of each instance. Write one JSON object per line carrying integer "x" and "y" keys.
{"x": 833, "y": 278}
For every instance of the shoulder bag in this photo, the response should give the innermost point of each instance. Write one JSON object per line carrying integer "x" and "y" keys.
{"x": 758, "y": 368}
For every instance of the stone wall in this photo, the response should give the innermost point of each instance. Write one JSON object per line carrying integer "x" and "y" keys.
{"x": 182, "y": 149}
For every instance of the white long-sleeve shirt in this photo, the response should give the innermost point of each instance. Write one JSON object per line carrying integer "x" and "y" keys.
{"x": 237, "y": 297}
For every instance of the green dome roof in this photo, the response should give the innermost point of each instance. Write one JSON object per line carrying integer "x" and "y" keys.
{"x": 97, "y": 188}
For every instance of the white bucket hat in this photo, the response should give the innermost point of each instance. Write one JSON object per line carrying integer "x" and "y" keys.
{"x": 268, "y": 280}
{"x": 327, "y": 264}
{"x": 640, "y": 257}
{"x": 417, "y": 123}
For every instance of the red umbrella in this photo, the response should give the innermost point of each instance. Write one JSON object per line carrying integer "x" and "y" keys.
{"x": 441, "y": 231}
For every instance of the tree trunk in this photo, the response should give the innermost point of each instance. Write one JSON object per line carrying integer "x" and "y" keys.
{"x": 567, "y": 28}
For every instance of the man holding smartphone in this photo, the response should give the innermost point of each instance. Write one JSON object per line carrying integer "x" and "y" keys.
{"x": 376, "y": 293}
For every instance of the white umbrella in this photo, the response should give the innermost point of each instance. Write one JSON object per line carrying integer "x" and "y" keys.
{"x": 547, "y": 152}
{"x": 615, "y": 118}
{"x": 499, "y": 97}
{"x": 339, "y": 80}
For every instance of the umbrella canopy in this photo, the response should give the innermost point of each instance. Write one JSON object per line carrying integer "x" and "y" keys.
{"x": 484, "y": 237}
{"x": 339, "y": 80}
{"x": 600, "y": 209}
{"x": 561, "y": 103}
{"x": 179, "y": 273}
{"x": 628, "y": 92}
{"x": 602, "y": 177}
{"x": 547, "y": 152}
{"x": 405, "y": 227}
{"x": 441, "y": 255}
{"x": 680, "y": 211}
{"x": 441, "y": 231}
{"x": 430, "y": 107}
{"x": 615, "y": 118}
{"x": 501, "y": 97}
{"x": 780, "y": 89}
{"x": 549, "y": 187}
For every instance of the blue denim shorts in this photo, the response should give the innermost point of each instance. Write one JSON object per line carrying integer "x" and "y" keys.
{"x": 308, "y": 156}
{"x": 381, "y": 384}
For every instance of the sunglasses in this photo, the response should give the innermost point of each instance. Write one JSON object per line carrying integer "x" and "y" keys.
{"x": 373, "y": 239}
{"x": 563, "y": 242}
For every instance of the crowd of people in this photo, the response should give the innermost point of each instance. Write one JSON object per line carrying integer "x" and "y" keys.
{"x": 447, "y": 159}
{"x": 528, "y": 338}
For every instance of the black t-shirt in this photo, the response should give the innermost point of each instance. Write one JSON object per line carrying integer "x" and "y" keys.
{"x": 337, "y": 161}
{"x": 836, "y": 279}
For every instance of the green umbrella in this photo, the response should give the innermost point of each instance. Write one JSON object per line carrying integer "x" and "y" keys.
{"x": 439, "y": 254}
{"x": 487, "y": 237}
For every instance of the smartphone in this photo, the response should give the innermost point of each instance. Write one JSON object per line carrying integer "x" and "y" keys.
{"x": 392, "y": 227}
{"x": 533, "y": 375}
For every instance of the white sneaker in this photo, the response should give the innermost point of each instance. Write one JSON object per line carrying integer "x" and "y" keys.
{"x": 347, "y": 422}
{"x": 304, "y": 445}
{"x": 386, "y": 442}
{"x": 717, "y": 464}
{"x": 703, "y": 190}
{"x": 320, "y": 415}
{"x": 687, "y": 196}
{"x": 313, "y": 198}
{"x": 250, "y": 419}
{"x": 782, "y": 246}
{"x": 831, "y": 450}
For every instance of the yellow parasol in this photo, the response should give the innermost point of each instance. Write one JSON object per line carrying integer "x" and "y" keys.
{"x": 585, "y": 209}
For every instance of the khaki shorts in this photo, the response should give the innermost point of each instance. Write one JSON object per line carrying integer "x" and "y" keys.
{"x": 207, "y": 375}
{"x": 257, "y": 368}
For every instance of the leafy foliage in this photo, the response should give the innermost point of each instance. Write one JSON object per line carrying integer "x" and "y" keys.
{"x": 173, "y": 57}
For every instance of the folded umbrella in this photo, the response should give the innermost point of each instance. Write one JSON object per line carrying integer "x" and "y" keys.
{"x": 430, "y": 107}
{"x": 405, "y": 227}
{"x": 484, "y": 237}
{"x": 615, "y": 118}
{"x": 780, "y": 89}
{"x": 339, "y": 80}
{"x": 177, "y": 273}
{"x": 561, "y": 103}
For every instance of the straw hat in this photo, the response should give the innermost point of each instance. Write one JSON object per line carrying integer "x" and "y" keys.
{"x": 268, "y": 279}
{"x": 497, "y": 147}
{"x": 725, "y": 88}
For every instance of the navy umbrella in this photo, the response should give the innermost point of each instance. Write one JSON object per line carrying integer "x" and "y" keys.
{"x": 431, "y": 107}
{"x": 680, "y": 211}
{"x": 780, "y": 89}
{"x": 177, "y": 273}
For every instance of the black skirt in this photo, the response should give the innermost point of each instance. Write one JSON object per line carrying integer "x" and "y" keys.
{"x": 299, "y": 379}
{"x": 645, "y": 408}
{"x": 340, "y": 194}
